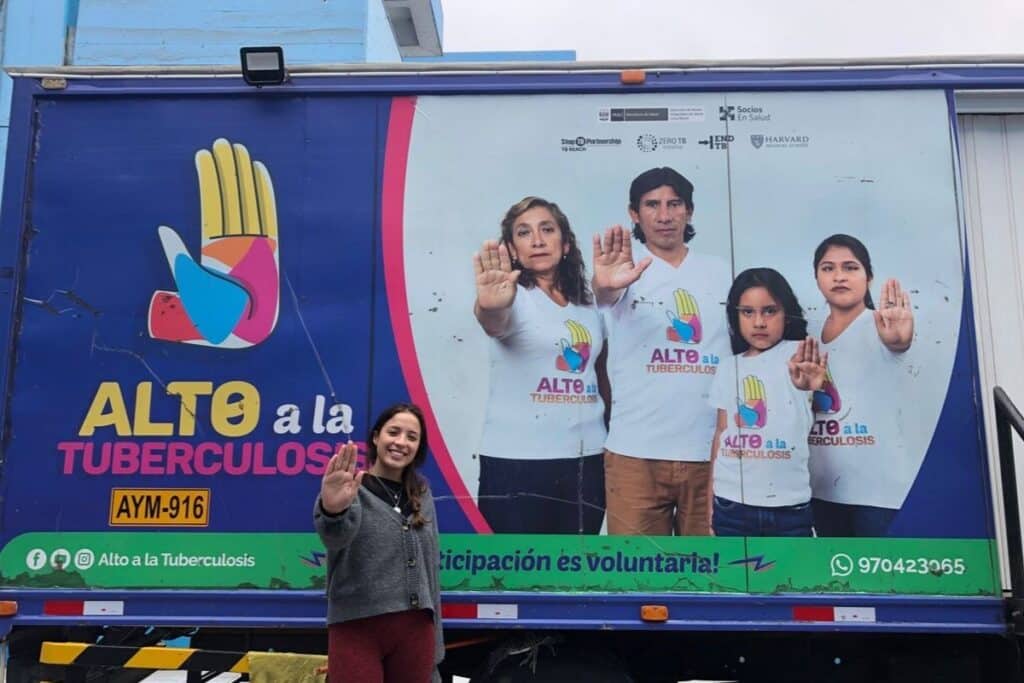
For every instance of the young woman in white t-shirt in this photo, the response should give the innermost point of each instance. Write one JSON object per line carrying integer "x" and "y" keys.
{"x": 860, "y": 474}
{"x": 541, "y": 452}
{"x": 759, "y": 456}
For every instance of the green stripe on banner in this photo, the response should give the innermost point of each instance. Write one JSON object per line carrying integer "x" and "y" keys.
{"x": 541, "y": 563}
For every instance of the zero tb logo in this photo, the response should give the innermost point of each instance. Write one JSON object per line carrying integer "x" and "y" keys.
{"x": 230, "y": 298}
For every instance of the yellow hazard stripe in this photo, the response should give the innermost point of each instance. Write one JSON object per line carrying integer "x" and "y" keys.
{"x": 161, "y": 658}
{"x": 60, "y": 653}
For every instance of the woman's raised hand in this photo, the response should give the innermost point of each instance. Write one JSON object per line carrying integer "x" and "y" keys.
{"x": 808, "y": 365}
{"x": 341, "y": 483}
{"x": 495, "y": 279}
{"x": 894, "y": 317}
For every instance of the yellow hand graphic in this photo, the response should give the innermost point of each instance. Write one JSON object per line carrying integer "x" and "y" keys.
{"x": 753, "y": 411}
{"x": 230, "y": 298}
{"x": 578, "y": 333}
{"x": 685, "y": 304}
{"x": 576, "y": 350}
{"x": 753, "y": 389}
{"x": 685, "y": 321}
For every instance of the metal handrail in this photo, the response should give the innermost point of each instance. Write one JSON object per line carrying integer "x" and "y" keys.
{"x": 1009, "y": 417}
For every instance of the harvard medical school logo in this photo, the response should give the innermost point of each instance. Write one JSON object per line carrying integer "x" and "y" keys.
{"x": 685, "y": 325}
{"x": 752, "y": 412}
{"x": 826, "y": 399}
{"x": 229, "y": 299}
{"x": 575, "y": 351}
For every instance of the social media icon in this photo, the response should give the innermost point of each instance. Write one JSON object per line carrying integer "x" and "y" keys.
{"x": 84, "y": 559}
{"x": 60, "y": 558}
{"x": 36, "y": 559}
{"x": 842, "y": 564}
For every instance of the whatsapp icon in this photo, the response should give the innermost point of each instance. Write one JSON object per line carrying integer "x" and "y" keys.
{"x": 842, "y": 564}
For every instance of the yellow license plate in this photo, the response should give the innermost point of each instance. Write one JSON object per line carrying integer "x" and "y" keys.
{"x": 160, "y": 507}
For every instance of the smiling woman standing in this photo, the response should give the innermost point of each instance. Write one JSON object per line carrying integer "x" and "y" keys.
{"x": 541, "y": 462}
{"x": 380, "y": 530}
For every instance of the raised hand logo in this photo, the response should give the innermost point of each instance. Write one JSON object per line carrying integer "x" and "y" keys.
{"x": 826, "y": 399}
{"x": 753, "y": 409}
{"x": 685, "y": 320}
{"x": 230, "y": 298}
{"x": 575, "y": 351}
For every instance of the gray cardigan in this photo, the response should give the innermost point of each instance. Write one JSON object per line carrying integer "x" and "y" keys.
{"x": 378, "y": 563}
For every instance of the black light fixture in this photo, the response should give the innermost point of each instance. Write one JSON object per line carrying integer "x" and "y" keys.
{"x": 263, "y": 66}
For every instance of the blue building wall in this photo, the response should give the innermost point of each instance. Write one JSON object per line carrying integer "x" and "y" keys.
{"x": 506, "y": 56}
{"x": 120, "y": 32}
{"x": 380, "y": 41}
{"x": 204, "y": 32}
{"x": 186, "y": 32}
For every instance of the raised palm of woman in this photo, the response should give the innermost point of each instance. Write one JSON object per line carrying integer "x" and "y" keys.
{"x": 495, "y": 279}
{"x": 894, "y": 319}
{"x": 341, "y": 482}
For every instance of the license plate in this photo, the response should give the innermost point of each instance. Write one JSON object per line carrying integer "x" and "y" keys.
{"x": 160, "y": 507}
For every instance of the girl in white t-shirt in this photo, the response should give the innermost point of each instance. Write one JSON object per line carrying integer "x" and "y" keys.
{"x": 759, "y": 455}
{"x": 860, "y": 472}
{"x": 541, "y": 453}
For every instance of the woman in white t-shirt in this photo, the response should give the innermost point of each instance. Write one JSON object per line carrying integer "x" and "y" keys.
{"x": 541, "y": 453}
{"x": 860, "y": 473}
{"x": 759, "y": 454}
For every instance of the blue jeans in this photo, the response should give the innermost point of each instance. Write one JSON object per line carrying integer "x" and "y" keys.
{"x": 738, "y": 519}
{"x": 841, "y": 519}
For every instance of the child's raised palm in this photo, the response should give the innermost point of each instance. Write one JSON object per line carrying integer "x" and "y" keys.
{"x": 807, "y": 366}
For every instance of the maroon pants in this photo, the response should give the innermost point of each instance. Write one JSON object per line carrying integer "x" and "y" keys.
{"x": 387, "y": 648}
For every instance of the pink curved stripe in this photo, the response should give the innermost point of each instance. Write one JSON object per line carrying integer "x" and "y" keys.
{"x": 257, "y": 271}
{"x": 396, "y": 155}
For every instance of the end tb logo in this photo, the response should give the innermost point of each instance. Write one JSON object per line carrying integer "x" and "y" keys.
{"x": 717, "y": 141}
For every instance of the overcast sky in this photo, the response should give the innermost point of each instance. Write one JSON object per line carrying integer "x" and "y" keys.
{"x": 736, "y": 29}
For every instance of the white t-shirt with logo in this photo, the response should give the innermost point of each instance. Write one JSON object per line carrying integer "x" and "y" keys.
{"x": 543, "y": 401}
{"x": 762, "y": 454}
{"x": 666, "y": 337}
{"x": 857, "y": 452}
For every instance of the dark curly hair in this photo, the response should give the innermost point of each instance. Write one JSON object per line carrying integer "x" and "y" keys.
{"x": 570, "y": 278}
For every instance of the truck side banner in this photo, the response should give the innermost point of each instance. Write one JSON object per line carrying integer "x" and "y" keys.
{"x": 218, "y": 291}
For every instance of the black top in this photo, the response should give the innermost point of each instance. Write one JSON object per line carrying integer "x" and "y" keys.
{"x": 391, "y": 492}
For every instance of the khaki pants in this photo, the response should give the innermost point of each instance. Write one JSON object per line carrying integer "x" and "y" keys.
{"x": 656, "y": 497}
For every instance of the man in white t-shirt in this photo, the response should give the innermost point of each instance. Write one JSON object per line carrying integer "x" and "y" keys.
{"x": 666, "y": 337}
